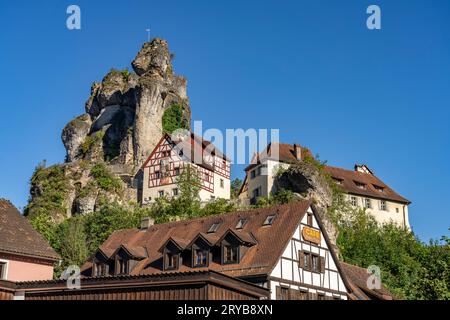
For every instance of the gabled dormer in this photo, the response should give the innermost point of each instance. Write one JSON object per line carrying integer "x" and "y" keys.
{"x": 171, "y": 253}
{"x": 201, "y": 249}
{"x": 126, "y": 257}
{"x": 233, "y": 245}
{"x": 101, "y": 264}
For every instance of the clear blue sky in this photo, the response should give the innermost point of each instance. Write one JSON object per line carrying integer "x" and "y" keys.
{"x": 310, "y": 68}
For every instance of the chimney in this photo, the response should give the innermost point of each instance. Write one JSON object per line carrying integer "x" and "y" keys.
{"x": 298, "y": 151}
{"x": 147, "y": 222}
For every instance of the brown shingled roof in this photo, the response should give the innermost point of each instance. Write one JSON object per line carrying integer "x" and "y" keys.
{"x": 17, "y": 236}
{"x": 349, "y": 179}
{"x": 264, "y": 243}
{"x": 357, "y": 277}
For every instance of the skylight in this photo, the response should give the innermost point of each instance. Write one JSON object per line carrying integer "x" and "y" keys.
{"x": 214, "y": 227}
{"x": 241, "y": 223}
{"x": 269, "y": 220}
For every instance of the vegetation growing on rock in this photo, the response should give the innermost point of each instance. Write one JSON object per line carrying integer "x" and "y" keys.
{"x": 173, "y": 119}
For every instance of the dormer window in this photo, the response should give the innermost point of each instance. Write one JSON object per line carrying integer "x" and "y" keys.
{"x": 171, "y": 260}
{"x": 338, "y": 181}
{"x": 269, "y": 220}
{"x": 360, "y": 185}
{"x": 241, "y": 223}
{"x": 214, "y": 227}
{"x": 200, "y": 257}
{"x": 100, "y": 269}
{"x": 122, "y": 265}
{"x": 230, "y": 254}
{"x": 378, "y": 188}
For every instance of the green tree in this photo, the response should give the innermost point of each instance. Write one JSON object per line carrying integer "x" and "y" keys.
{"x": 235, "y": 187}
{"x": 71, "y": 242}
{"x": 409, "y": 268}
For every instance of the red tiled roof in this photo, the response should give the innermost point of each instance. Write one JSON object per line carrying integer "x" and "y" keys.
{"x": 349, "y": 179}
{"x": 265, "y": 243}
{"x": 17, "y": 236}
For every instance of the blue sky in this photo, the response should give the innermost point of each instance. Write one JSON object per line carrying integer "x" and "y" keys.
{"x": 310, "y": 68}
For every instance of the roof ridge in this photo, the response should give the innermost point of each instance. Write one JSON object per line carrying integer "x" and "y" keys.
{"x": 218, "y": 216}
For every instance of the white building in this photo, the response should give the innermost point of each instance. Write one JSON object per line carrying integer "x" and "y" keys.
{"x": 362, "y": 187}
{"x": 159, "y": 173}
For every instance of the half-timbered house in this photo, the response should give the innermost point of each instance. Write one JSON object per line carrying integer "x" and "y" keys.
{"x": 159, "y": 173}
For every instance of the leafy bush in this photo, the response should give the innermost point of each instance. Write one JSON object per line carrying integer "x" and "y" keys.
{"x": 409, "y": 268}
{"x": 173, "y": 119}
{"x": 49, "y": 188}
{"x": 89, "y": 141}
{"x": 105, "y": 179}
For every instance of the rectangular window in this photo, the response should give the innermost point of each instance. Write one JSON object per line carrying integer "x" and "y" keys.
{"x": 221, "y": 183}
{"x": 157, "y": 175}
{"x": 171, "y": 261}
{"x": 2, "y": 270}
{"x": 354, "y": 201}
{"x": 253, "y": 174}
{"x": 230, "y": 254}
{"x": 121, "y": 266}
{"x": 367, "y": 203}
{"x": 310, "y": 219}
{"x": 175, "y": 192}
{"x": 161, "y": 193}
{"x": 100, "y": 269}
{"x": 311, "y": 262}
{"x": 177, "y": 171}
{"x": 315, "y": 263}
{"x": 200, "y": 258}
{"x": 383, "y": 205}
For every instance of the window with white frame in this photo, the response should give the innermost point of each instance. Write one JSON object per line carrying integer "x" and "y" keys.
{"x": 175, "y": 192}
{"x": 354, "y": 201}
{"x": 367, "y": 203}
{"x": 383, "y": 205}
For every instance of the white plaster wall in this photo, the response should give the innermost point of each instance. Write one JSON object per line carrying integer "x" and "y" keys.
{"x": 287, "y": 269}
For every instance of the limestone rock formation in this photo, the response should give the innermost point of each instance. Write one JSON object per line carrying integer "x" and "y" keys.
{"x": 128, "y": 108}
{"x": 121, "y": 125}
{"x": 308, "y": 182}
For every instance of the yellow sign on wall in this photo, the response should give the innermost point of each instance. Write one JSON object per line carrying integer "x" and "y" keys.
{"x": 310, "y": 234}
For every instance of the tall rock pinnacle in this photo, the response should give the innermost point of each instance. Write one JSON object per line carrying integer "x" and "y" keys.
{"x": 123, "y": 119}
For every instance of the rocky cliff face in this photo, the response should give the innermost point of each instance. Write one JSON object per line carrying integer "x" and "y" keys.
{"x": 308, "y": 182}
{"x": 121, "y": 125}
{"x": 127, "y": 108}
